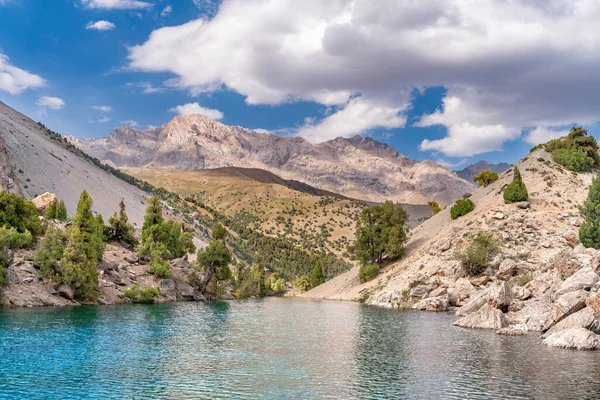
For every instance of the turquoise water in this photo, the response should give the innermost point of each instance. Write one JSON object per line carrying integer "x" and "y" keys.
{"x": 275, "y": 349}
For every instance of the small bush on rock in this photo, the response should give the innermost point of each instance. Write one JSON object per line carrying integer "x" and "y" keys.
{"x": 161, "y": 269}
{"x": 516, "y": 191}
{"x": 461, "y": 207}
{"x": 145, "y": 296}
{"x": 479, "y": 254}
{"x": 368, "y": 272}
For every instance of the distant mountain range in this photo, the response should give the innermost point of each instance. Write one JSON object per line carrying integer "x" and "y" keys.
{"x": 356, "y": 167}
{"x": 469, "y": 172}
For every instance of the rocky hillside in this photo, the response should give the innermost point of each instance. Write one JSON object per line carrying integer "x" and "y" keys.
{"x": 32, "y": 163}
{"x": 357, "y": 167}
{"x": 542, "y": 280}
{"x": 470, "y": 171}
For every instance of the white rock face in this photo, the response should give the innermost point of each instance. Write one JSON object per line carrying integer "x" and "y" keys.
{"x": 356, "y": 167}
{"x": 585, "y": 278}
{"x": 574, "y": 338}
{"x": 487, "y": 317}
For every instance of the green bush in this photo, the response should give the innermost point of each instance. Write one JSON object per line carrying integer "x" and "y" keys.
{"x": 589, "y": 231}
{"x": 51, "y": 211}
{"x": 161, "y": 269}
{"x": 77, "y": 270}
{"x": 577, "y": 151}
{"x": 573, "y": 160}
{"x": 18, "y": 213}
{"x": 145, "y": 296}
{"x": 461, "y": 207}
{"x": 435, "y": 207}
{"x": 9, "y": 237}
{"x": 61, "y": 212}
{"x": 119, "y": 230}
{"x": 485, "y": 178}
{"x": 317, "y": 277}
{"x": 302, "y": 283}
{"x": 4, "y": 263}
{"x": 516, "y": 191}
{"x": 479, "y": 254}
{"x": 50, "y": 252}
{"x": 368, "y": 272}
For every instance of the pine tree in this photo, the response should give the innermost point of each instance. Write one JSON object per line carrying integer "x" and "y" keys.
{"x": 317, "y": 277}
{"x": 78, "y": 270}
{"x": 90, "y": 228}
{"x": 51, "y": 211}
{"x": 61, "y": 212}
{"x": 589, "y": 231}
{"x": 219, "y": 233}
{"x": 153, "y": 217}
{"x": 516, "y": 191}
{"x": 119, "y": 229}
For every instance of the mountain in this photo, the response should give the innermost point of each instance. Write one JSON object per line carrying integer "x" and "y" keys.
{"x": 470, "y": 171}
{"x": 33, "y": 161}
{"x": 356, "y": 167}
{"x": 540, "y": 276}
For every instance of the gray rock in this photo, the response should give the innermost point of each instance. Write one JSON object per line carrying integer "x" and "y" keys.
{"x": 438, "y": 303}
{"x": 583, "y": 279}
{"x": 507, "y": 269}
{"x": 574, "y": 338}
{"x": 186, "y": 292}
{"x": 445, "y": 246}
{"x": 420, "y": 290}
{"x": 523, "y": 205}
{"x": 513, "y": 330}
{"x": 581, "y": 319}
{"x": 566, "y": 305}
{"x": 486, "y": 317}
{"x": 535, "y": 314}
{"x": 167, "y": 288}
{"x": 440, "y": 291}
{"x": 474, "y": 303}
{"x": 65, "y": 291}
{"x": 500, "y": 296}
{"x": 521, "y": 293}
{"x": 132, "y": 258}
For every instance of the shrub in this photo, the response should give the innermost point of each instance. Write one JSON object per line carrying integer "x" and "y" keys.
{"x": 589, "y": 231}
{"x": 145, "y": 296}
{"x": 516, "y": 191}
{"x": 61, "y": 211}
{"x": 302, "y": 283}
{"x": 50, "y": 252}
{"x": 368, "y": 272}
{"x": 435, "y": 207}
{"x": 18, "y": 213}
{"x": 573, "y": 160}
{"x": 577, "y": 152}
{"x": 4, "y": 263}
{"x": 161, "y": 269}
{"x": 479, "y": 254}
{"x": 92, "y": 231}
{"x": 77, "y": 270}
{"x": 119, "y": 229}
{"x": 51, "y": 211}
{"x": 485, "y": 178}
{"x": 10, "y": 238}
{"x": 461, "y": 207}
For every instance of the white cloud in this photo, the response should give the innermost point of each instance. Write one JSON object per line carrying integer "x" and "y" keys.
{"x": 15, "y": 80}
{"x": 100, "y": 25}
{"x": 130, "y": 122}
{"x": 55, "y": 103}
{"x": 195, "y": 108}
{"x": 357, "y": 116}
{"x": 103, "y": 108}
{"x": 166, "y": 11}
{"x": 116, "y": 4}
{"x": 450, "y": 164}
{"x": 100, "y": 120}
{"x": 543, "y": 134}
{"x": 506, "y": 64}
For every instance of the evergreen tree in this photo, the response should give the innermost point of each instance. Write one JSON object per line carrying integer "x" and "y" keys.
{"x": 51, "y": 211}
{"x": 78, "y": 270}
{"x": 516, "y": 191}
{"x": 91, "y": 231}
{"x": 589, "y": 231}
{"x": 210, "y": 260}
{"x": 61, "y": 212}
{"x": 15, "y": 212}
{"x": 317, "y": 277}
{"x": 153, "y": 217}
{"x": 219, "y": 233}
{"x": 51, "y": 251}
{"x": 119, "y": 229}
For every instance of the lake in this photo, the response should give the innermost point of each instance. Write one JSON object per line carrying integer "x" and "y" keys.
{"x": 275, "y": 348}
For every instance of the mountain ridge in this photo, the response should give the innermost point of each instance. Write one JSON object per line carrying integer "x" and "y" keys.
{"x": 356, "y": 167}
{"x": 471, "y": 170}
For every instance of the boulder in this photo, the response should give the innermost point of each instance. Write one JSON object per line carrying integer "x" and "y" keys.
{"x": 440, "y": 291}
{"x": 420, "y": 290}
{"x": 499, "y": 215}
{"x": 566, "y": 305}
{"x": 521, "y": 293}
{"x": 438, "y": 303}
{"x": 480, "y": 280}
{"x": 445, "y": 246}
{"x": 500, "y": 296}
{"x": 581, "y": 319}
{"x": 487, "y": 317}
{"x": 513, "y": 330}
{"x": 507, "y": 269}
{"x": 132, "y": 258}
{"x": 474, "y": 303}
{"x": 535, "y": 313}
{"x": 43, "y": 201}
{"x": 593, "y": 302}
{"x": 574, "y": 338}
{"x": 523, "y": 205}
{"x": 583, "y": 279}
{"x": 186, "y": 292}
{"x": 66, "y": 291}
{"x": 167, "y": 288}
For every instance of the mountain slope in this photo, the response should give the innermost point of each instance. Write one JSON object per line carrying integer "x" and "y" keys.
{"x": 470, "y": 171}
{"x": 357, "y": 167}
{"x": 31, "y": 163}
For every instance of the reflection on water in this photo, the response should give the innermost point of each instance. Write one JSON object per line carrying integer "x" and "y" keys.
{"x": 276, "y": 348}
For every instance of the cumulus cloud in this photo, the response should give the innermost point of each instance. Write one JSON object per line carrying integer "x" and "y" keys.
{"x": 100, "y": 120}
{"x": 103, "y": 108}
{"x": 100, "y": 25}
{"x": 506, "y": 65}
{"x": 15, "y": 80}
{"x": 130, "y": 122}
{"x": 55, "y": 103}
{"x": 542, "y": 134}
{"x": 116, "y": 4}
{"x": 195, "y": 108}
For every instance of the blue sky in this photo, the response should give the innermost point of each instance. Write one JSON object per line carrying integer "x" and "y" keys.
{"x": 238, "y": 63}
